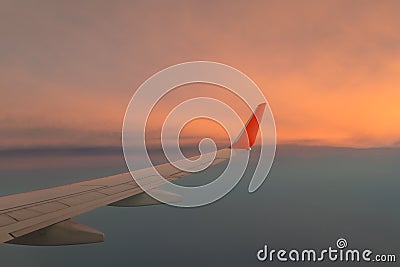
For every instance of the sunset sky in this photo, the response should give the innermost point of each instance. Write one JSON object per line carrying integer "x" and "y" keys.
{"x": 329, "y": 69}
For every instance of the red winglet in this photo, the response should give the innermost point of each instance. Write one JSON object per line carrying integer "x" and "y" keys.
{"x": 248, "y": 135}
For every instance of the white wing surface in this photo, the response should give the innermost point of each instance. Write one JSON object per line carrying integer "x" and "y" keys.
{"x": 44, "y": 217}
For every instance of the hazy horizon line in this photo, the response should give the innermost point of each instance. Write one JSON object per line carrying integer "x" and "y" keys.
{"x": 104, "y": 150}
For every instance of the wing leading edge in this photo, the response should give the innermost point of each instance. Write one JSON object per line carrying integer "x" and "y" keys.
{"x": 43, "y": 217}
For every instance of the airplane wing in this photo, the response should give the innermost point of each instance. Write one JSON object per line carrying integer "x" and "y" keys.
{"x": 44, "y": 217}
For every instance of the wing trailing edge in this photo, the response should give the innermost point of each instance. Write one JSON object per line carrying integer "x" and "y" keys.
{"x": 143, "y": 199}
{"x": 63, "y": 233}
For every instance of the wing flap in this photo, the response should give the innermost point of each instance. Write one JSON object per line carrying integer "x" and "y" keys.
{"x": 49, "y": 207}
{"x": 82, "y": 198}
{"x": 66, "y": 232}
{"x": 23, "y": 214}
{"x": 6, "y": 220}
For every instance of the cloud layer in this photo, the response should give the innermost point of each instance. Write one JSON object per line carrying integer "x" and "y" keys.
{"x": 330, "y": 69}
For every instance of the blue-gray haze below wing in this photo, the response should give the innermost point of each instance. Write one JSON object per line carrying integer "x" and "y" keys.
{"x": 312, "y": 197}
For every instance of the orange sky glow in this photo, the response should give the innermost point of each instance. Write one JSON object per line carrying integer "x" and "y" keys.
{"x": 329, "y": 69}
